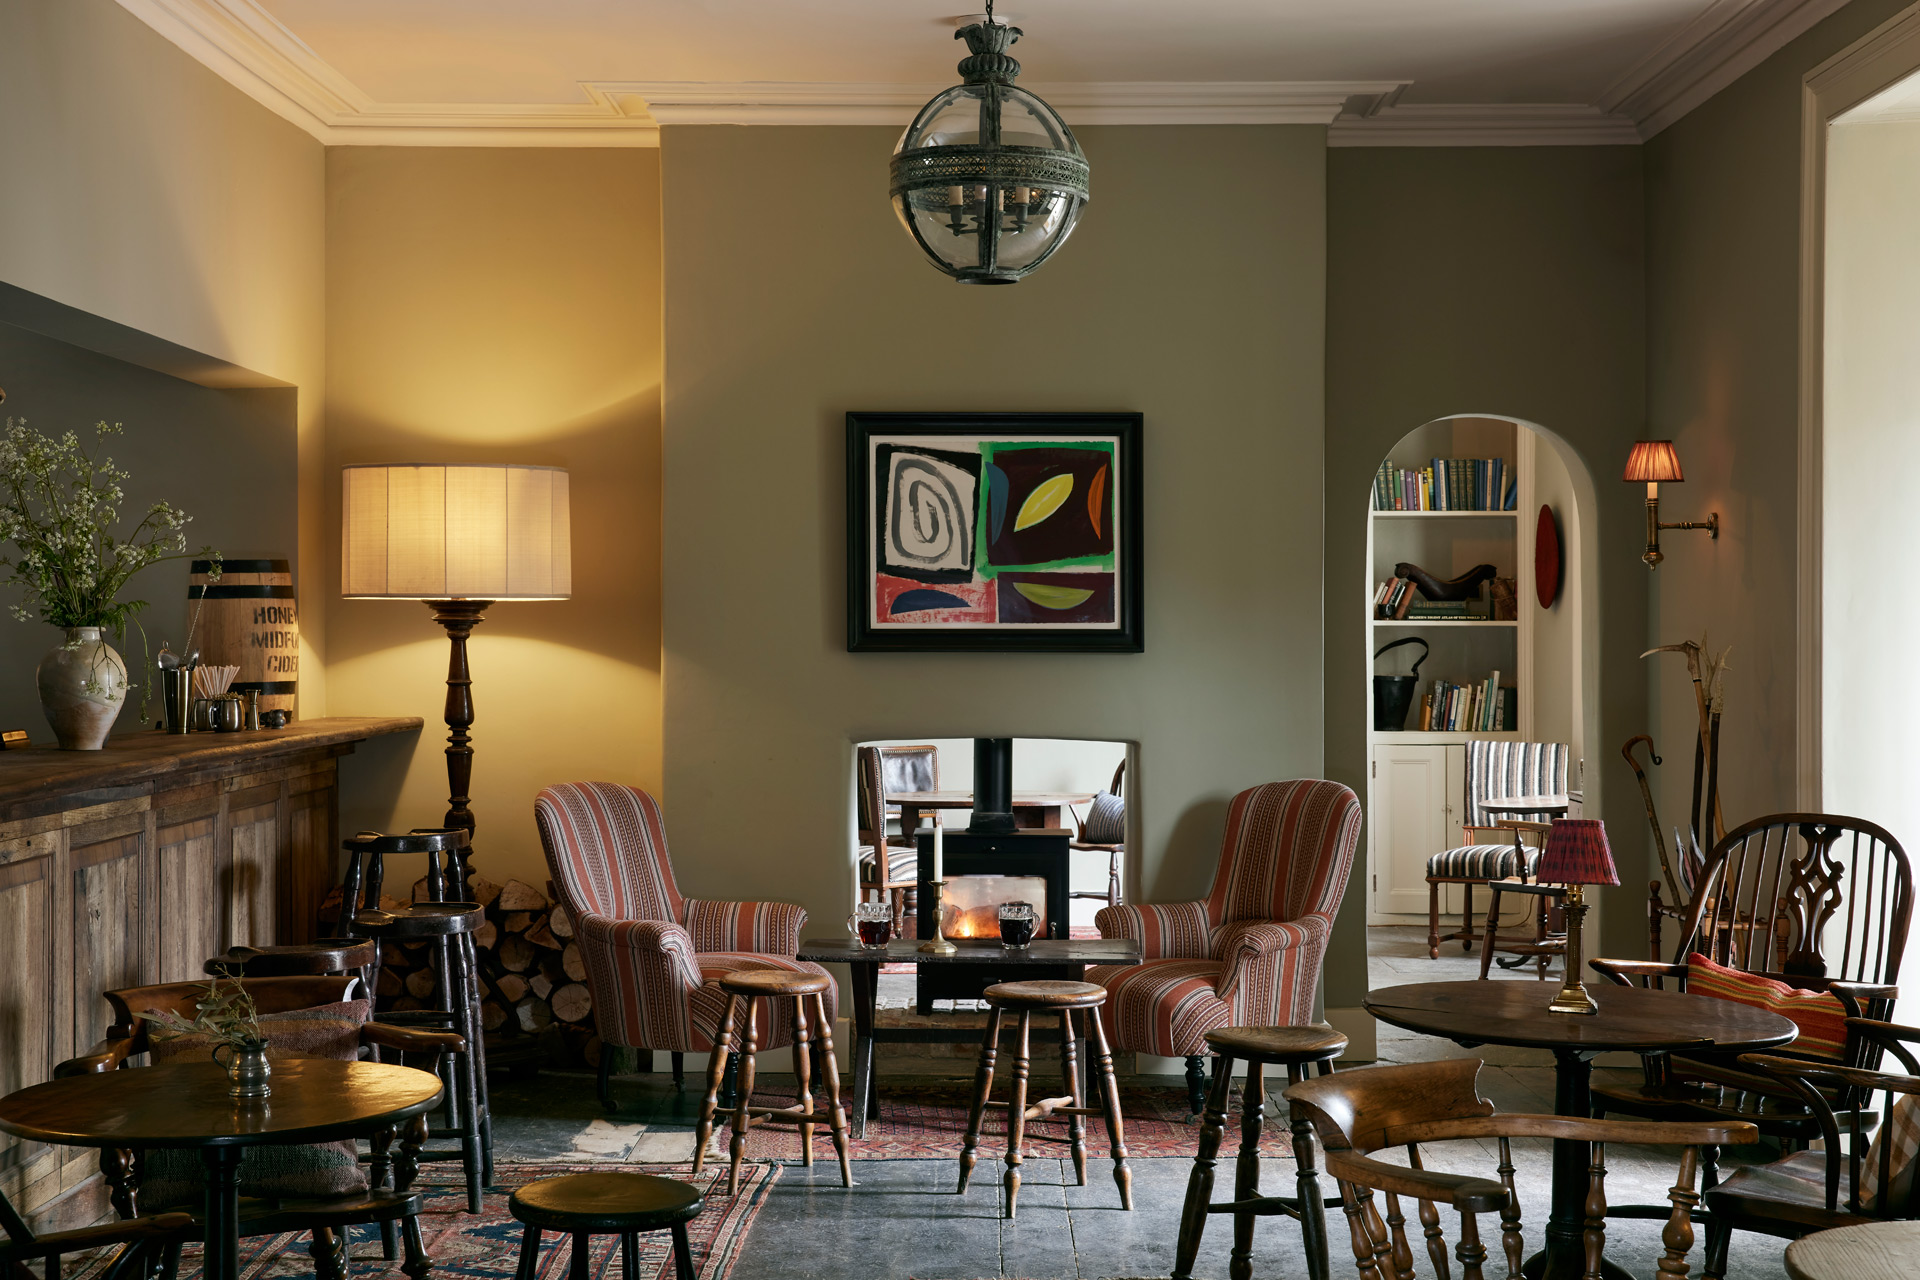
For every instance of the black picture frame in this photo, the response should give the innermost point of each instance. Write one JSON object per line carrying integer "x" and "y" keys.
{"x": 868, "y": 434}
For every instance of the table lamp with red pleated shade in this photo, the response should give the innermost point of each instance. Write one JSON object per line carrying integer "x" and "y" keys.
{"x": 1576, "y": 856}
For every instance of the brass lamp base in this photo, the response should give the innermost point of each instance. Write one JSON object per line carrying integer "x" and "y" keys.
{"x": 937, "y": 945}
{"x": 1573, "y": 997}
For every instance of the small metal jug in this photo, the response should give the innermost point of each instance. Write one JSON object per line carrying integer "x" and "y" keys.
{"x": 248, "y": 1072}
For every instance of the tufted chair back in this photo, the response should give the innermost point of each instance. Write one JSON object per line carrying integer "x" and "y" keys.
{"x": 607, "y": 850}
{"x": 1287, "y": 852}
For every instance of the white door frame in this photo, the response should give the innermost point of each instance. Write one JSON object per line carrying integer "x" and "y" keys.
{"x": 1885, "y": 56}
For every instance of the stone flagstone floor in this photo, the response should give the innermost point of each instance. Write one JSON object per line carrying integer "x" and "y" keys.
{"x": 902, "y": 1219}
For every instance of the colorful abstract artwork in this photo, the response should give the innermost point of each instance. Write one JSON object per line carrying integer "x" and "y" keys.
{"x": 994, "y": 531}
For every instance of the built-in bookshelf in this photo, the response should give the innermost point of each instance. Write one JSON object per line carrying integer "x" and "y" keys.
{"x": 1443, "y": 466}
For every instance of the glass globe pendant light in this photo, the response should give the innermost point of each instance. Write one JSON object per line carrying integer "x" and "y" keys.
{"x": 988, "y": 178}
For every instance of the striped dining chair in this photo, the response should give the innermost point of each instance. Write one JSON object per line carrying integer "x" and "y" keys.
{"x": 654, "y": 958}
{"x": 1248, "y": 955}
{"x": 1496, "y": 769}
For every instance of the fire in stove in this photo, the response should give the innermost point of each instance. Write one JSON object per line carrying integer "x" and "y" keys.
{"x": 970, "y": 905}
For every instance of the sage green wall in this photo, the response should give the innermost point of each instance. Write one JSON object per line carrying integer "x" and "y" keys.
{"x": 1493, "y": 281}
{"x": 1723, "y": 219}
{"x": 792, "y": 296}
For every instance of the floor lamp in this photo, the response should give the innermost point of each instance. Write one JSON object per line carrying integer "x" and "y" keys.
{"x": 457, "y": 538}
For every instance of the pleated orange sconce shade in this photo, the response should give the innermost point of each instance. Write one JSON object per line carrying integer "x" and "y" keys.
{"x": 455, "y": 533}
{"x": 1653, "y": 462}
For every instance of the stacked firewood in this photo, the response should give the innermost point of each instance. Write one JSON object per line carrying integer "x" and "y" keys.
{"x": 531, "y": 975}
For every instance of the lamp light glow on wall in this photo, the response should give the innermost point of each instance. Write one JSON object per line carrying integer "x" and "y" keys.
{"x": 457, "y": 538}
{"x": 988, "y": 179}
{"x": 1652, "y": 462}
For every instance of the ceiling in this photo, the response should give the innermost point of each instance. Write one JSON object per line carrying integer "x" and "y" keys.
{"x": 607, "y": 72}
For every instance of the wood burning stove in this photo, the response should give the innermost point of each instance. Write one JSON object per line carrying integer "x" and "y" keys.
{"x": 989, "y": 863}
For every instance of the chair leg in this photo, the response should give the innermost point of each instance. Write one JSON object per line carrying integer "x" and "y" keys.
{"x": 325, "y": 1249}
{"x": 1196, "y": 1083}
{"x": 1493, "y": 923}
{"x": 742, "y": 1109}
{"x": 1246, "y": 1172}
{"x": 582, "y": 1246}
{"x": 1110, "y": 1107}
{"x": 830, "y": 1074}
{"x": 630, "y": 1255}
{"x": 529, "y": 1253}
{"x": 679, "y": 1070}
{"x": 1313, "y": 1208}
{"x": 982, "y": 1087}
{"x": 1193, "y": 1217}
{"x": 1466, "y": 917}
{"x": 1433, "y": 918}
{"x": 1017, "y": 1111}
{"x": 682, "y": 1253}
{"x": 606, "y": 1078}
{"x": 1719, "y": 1239}
{"x": 803, "y": 1077}
{"x": 716, "y": 1067}
{"x": 1076, "y": 1123}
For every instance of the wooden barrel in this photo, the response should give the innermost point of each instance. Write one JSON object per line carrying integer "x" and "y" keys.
{"x": 249, "y": 620}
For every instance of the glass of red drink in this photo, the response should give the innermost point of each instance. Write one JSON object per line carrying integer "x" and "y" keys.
{"x": 872, "y": 923}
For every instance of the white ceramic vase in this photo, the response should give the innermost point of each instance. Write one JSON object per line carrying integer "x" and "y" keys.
{"x": 83, "y": 684}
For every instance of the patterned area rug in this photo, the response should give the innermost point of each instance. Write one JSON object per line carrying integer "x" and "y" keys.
{"x": 486, "y": 1246}
{"x": 928, "y": 1121}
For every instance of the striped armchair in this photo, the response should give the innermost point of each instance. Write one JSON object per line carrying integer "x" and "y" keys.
{"x": 653, "y": 957}
{"x": 1250, "y": 954}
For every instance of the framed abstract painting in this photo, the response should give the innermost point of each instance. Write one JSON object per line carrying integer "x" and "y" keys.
{"x": 1017, "y": 532}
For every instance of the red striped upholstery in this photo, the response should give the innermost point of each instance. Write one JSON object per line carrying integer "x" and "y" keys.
{"x": 652, "y": 956}
{"x": 1250, "y": 954}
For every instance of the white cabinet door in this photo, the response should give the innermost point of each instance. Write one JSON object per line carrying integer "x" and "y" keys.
{"x": 1415, "y": 790}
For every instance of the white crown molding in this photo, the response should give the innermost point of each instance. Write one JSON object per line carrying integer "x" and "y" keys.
{"x": 1544, "y": 124}
{"x": 1083, "y": 102}
{"x": 253, "y": 51}
{"x": 1724, "y": 41}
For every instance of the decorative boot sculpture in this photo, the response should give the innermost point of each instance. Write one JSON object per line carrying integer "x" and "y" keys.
{"x": 1464, "y": 587}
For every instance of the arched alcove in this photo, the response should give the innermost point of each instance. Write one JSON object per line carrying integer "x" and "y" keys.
{"x": 1546, "y": 655}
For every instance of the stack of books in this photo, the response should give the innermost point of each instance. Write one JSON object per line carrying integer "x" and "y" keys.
{"x": 1485, "y": 707}
{"x": 1399, "y": 598}
{"x": 1447, "y": 484}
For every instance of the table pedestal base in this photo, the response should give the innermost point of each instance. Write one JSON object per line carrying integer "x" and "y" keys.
{"x": 222, "y": 1259}
{"x": 1565, "y": 1257}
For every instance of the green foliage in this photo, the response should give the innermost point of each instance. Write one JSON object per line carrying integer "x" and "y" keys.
{"x": 58, "y": 508}
{"x": 226, "y": 1014}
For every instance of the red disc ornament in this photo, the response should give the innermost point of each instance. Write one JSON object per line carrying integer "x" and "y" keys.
{"x": 1546, "y": 558}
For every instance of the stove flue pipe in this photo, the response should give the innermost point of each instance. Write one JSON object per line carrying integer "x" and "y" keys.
{"x": 992, "y": 787}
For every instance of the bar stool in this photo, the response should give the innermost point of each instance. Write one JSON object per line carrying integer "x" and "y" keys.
{"x": 323, "y": 958}
{"x": 1295, "y": 1048}
{"x": 585, "y": 1205}
{"x": 742, "y": 987}
{"x": 1027, "y": 999}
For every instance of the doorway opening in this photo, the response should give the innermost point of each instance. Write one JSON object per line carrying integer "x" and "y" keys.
{"x": 1478, "y": 618}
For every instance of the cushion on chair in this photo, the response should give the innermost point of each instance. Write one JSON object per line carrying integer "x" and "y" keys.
{"x": 745, "y": 926}
{"x": 1903, "y": 1131}
{"x": 708, "y": 1002}
{"x": 1106, "y": 820}
{"x": 903, "y": 866}
{"x": 1821, "y": 1017}
{"x": 1162, "y": 1006}
{"x": 173, "y": 1178}
{"x": 1481, "y": 862}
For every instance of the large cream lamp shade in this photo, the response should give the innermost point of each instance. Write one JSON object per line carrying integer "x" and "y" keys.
{"x": 432, "y": 532}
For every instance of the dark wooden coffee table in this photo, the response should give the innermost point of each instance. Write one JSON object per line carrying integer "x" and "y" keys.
{"x": 187, "y": 1106}
{"x": 1000, "y": 964}
{"x": 1631, "y": 1019}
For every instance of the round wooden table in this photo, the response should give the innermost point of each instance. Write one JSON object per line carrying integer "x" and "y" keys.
{"x": 1867, "y": 1251}
{"x": 1630, "y": 1019}
{"x": 187, "y": 1106}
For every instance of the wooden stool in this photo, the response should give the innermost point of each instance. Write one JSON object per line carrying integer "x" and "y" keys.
{"x": 449, "y": 927}
{"x": 741, "y": 986}
{"x": 1026, "y": 999}
{"x": 1294, "y": 1048}
{"x": 605, "y": 1204}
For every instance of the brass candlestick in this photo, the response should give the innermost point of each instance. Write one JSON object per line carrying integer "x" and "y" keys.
{"x": 937, "y": 945}
{"x": 1573, "y": 997}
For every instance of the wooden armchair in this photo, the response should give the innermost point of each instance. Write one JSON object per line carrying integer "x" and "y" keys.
{"x": 325, "y": 1215}
{"x": 1817, "y": 902}
{"x": 1357, "y": 1113}
{"x": 1104, "y": 831}
{"x": 150, "y": 1247}
{"x": 1811, "y": 1191}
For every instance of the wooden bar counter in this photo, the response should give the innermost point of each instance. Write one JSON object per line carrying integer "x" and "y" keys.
{"x": 133, "y": 865}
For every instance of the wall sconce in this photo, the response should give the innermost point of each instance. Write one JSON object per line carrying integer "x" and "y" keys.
{"x": 1653, "y": 461}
